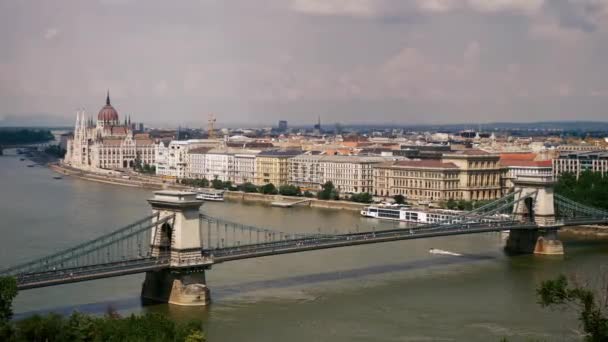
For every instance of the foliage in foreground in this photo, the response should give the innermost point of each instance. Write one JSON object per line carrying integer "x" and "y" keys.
{"x": 591, "y": 307}
{"x": 590, "y": 188}
{"x": 83, "y": 328}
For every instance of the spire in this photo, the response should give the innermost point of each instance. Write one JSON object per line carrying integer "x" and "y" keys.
{"x": 108, "y": 97}
{"x": 129, "y": 120}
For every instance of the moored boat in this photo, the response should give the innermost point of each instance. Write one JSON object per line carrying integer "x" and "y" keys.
{"x": 211, "y": 195}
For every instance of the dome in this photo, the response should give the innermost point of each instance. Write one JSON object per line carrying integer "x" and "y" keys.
{"x": 108, "y": 113}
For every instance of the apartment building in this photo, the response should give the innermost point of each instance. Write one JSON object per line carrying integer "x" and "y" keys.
{"x": 350, "y": 174}
{"x": 273, "y": 167}
{"x": 172, "y": 158}
{"x": 576, "y": 162}
{"x": 419, "y": 180}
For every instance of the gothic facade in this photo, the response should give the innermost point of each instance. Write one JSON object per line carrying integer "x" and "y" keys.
{"x": 106, "y": 144}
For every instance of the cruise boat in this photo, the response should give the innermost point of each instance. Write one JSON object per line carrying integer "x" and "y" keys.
{"x": 211, "y": 195}
{"x": 408, "y": 214}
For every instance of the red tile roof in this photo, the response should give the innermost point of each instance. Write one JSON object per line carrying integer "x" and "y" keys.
{"x": 525, "y": 163}
{"x": 517, "y": 156}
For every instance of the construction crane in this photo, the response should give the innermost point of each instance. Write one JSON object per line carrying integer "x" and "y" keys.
{"x": 211, "y": 126}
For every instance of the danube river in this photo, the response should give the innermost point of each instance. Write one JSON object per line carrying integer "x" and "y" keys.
{"x": 386, "y": 292}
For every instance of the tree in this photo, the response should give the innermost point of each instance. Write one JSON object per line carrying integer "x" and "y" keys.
{"x": 592, "y": 310}
{"x": 308, "y": 194}
{"x": 8, "y": 292}
{"x": 451, "y": 204}
{"x": 364, "y": 197}
{"x": 329, "y": 192}
{"x": 268, "y": 189}
{"x": 217, "y": 184}
{"x": 248, "y": 187}
{"x": 290, "y": 190}
{"x": 399, "y": 199}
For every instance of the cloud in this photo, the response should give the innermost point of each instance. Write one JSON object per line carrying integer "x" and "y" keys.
{"x": 456, "y": 60}
{"x": 51, "y": 33}
{"x": 357, "y": 8}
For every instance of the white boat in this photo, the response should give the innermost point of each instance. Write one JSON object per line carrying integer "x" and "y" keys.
{"x": 443, "y": 252}
{"x": 211, "y": 195}
{"x": 408, "y": 214}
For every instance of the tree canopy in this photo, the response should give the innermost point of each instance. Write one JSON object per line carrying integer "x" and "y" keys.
{"x": 591, "y": 308}
{"x": 590, "y": 188}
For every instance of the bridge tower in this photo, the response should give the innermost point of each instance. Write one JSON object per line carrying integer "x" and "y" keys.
{"x": 180, "y": 242}
{"x": 536, "y": 207}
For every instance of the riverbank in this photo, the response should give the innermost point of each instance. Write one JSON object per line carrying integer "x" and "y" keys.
{"x": 150, "y": 182}
{"x": 311, "y": 202}
{"x": 595, "y": 231}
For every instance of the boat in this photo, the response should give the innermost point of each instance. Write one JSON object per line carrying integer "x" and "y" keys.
{"x": 211, "y": 195}
{"x": 31, "y": 165}
{"x": 57, "y": 177}
{"x": 408, "y": 214}
{"x": 443, "y": 252}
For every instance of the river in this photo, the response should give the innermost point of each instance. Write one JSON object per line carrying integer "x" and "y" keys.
{"x": 394, "y": 291}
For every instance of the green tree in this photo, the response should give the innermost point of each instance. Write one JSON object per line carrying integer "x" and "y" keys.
{"x": 592, "y": 315}
{"x": 399, "y": 199}
{"x": 590, "y": 188}
{"x": 329, "y": 192}
{"x": 248, "y": 187}
{"x": 308, "y": 194}
{"x": 268, "y": 189}
{"x": 364, "y": 197}
{"x": 217, "y": 184}
{"x": 451, "y": 204}
{"x": 290, "y": 190}
{"x": 195, "y": 336}
{"x": 8, "y": 292}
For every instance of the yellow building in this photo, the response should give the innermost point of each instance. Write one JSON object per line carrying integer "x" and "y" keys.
{"x": 469, "y": 175}
{"x": 479, "y": 173}
{"x": 273, "y": 167}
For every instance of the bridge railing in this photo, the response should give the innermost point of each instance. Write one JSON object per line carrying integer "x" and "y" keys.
{"x": 131, "y": 242}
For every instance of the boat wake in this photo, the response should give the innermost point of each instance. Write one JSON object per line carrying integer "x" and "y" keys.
{"x": 442, "y": 252}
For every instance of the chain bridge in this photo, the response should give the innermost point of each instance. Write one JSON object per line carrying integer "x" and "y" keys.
{"x": 176, "y": 244}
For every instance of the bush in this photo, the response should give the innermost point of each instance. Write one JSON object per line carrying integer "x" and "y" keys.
{"x": 364, "y": 197}
{"x": 399, "y": 199}
{"x": 268, "y": 189}
{"x": 290, "y": 190}
{"x": 308, "y": 194}
{"x": 248, "y": 187}
{"x": 80, "y": 327}
{"x": 329, "y": 192}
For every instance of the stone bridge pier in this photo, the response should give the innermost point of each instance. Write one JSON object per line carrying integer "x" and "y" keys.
{"x": 179, "y": 241}
{"x": 536, "y": 207}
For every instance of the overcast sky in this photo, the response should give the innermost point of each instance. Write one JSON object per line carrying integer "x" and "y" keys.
{"x": 351, "y": 61}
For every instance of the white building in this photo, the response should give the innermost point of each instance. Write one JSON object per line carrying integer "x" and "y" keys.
{"x": 106, "y": 144}
{"x": 349, "y": 174}
{"x": 172, "y": 159}
{"x": 305, "y": 171}
{"x": 225, "y": 164}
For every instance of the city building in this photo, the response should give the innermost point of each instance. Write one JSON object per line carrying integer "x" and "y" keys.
{"x": 350, "y": 174}
{"x": 273, "y": 167}
{"x": 576, "y": 162}
{"x": 282, "y": 126}
{"x": 172, "y": 158}
{"x": 514, "y": 165}
{"x": 305, "y": 171}
{"x": 479, "y": 173}
{"x": 106, "y": 143}
{"x": 418, "y": 180}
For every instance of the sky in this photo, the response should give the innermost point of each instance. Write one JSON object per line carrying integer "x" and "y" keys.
{"x": 254, "y": 62}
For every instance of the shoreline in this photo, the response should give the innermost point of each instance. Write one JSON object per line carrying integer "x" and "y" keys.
{"x": 140, "y": 182}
